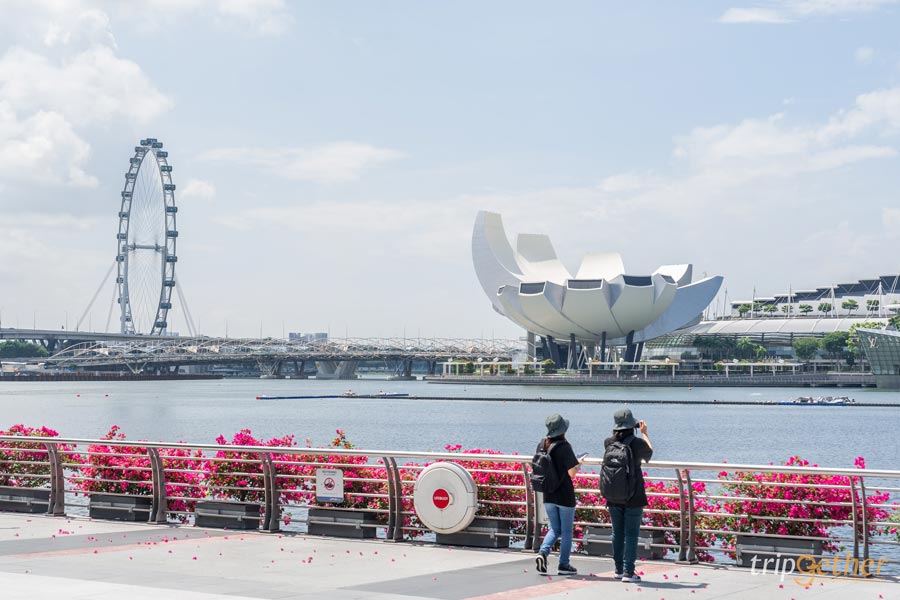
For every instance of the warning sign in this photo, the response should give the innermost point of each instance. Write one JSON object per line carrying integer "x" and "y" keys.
{"x": 329, "y": 485}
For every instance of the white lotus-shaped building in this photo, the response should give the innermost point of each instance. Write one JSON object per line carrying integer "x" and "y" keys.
{"x": 598, "y": 304}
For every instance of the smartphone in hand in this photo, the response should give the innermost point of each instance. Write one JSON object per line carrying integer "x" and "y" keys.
{"x": 581, "y": 456}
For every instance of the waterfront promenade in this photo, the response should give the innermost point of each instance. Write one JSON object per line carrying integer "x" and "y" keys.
{"x": 77, "y": 558}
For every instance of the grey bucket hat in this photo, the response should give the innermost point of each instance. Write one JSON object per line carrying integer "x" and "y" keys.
{"x": 624, "y": 419}
{"x": 556, "y": 425}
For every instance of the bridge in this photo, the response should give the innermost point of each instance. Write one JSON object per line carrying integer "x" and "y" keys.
{"x": 54, "y": 339}
{"x": 335, "y": 358}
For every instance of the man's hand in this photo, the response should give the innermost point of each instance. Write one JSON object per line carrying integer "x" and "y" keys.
{"x": 643, "y": 427}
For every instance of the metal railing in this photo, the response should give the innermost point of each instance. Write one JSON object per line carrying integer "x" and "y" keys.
{"x": 685, "y": 497}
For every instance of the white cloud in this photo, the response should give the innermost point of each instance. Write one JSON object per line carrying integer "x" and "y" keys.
{"x": 197, "y": 189}
{"x": 63, "y": 76}
{"x": 753, "y": 15}
{"x": 328, "y": 163}
{"x": 757, "y": 147}
{"x": 787, "y": 11}
{"x": 254, "y": 17}
{"x": 90, "y": 86}
{"x": 266, "y": 17}
{"x": 864, "y": 55}
{"x": 42, "y": 148}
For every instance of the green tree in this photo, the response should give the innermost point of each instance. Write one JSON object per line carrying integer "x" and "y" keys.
{"x": 17, "y": 349}
{"x": 805, "y": 308}
{"x": 850, "y": 306}
{"x": 787, "y": 308}
{"x": 743, "y": 309}
{"x": 714, "y": 347}
{"x": 835, "y": 343}
{"x": 806, "y": 348}
{"x": 825, "y": 307}
{"x": 872, "y": 306}
{"x": 770, "y": 308}
{"x": 744, "y": 348}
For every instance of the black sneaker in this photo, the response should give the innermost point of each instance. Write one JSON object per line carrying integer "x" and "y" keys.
{"x": 540, "y": 563}
{"x": 567, "y": 570}
{"x": 633, "y": 578}
{"x": 618, "y": 575}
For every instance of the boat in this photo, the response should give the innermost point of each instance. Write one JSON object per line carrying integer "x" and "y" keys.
{"x": 820, "y": 401}
{"x": 349, "y": 394}
{"x": 383, "y": 394}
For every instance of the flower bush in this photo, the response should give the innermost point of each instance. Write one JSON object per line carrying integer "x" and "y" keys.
{"x": 117, "y": 469}
{"x": 785, "y": 504}
{"x": 500, "y": 487}
{"x": 26, "y": 464}
{"x": 238, "y": 475}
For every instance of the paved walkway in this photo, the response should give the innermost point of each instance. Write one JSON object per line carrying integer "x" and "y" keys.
{"x": 71, "y": 558}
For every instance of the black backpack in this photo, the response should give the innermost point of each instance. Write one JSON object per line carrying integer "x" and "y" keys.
{"x": 617, "y": 477}
{"x": 544, "y": 477}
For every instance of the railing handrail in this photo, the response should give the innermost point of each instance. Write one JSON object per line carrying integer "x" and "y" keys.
{"x": 511, "y": 458}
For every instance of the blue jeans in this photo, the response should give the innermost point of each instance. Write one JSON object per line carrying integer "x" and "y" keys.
{"x": 626, "y": 525}
{"x": 562, "y": 520}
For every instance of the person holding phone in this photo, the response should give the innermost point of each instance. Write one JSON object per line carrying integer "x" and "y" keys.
{"x": 559, "y": 503}
{"x": 626, "y": 515}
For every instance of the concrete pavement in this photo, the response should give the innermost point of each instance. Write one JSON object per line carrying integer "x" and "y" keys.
{"x": 77, "y": 558}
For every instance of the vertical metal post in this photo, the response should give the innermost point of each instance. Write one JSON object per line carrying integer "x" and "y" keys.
{"x": 530, "y": 519}
{"x": 160, "y": 508}
{"x": 682, "y": 520}
{"x": 398, "y": 482}
{"x": 57, "y": 504}
{"x": 865, "y": 517}
{"x": 395, "y": 500}
{"x": 854, "y": 507}
{"x": 389, "y": 483}
{"x": 691, "y": 554}
{"x": 272, "y": 521}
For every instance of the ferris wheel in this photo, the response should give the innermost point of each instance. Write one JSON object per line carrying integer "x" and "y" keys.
{"x": 146, "y": 242}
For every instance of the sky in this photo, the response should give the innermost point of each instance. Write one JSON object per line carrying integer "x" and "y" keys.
{"x": 330, "y": 157}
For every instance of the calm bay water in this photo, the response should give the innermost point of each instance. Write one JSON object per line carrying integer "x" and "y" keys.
{"x": 198, "y": 411}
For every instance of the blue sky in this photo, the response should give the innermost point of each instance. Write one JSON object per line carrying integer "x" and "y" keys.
{"x": 330, "y": 157}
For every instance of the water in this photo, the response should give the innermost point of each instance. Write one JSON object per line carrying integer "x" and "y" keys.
{"x": 198, "y": 411}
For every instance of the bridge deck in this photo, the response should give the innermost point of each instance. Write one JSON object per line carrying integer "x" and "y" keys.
{"x": 76, "y": 558}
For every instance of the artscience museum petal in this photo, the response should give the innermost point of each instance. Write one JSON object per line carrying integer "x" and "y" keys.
{"x": 600, "y": 304}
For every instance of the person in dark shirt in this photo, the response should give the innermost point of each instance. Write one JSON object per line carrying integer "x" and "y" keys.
{"x": 559, "y": 503}
{"x": 626, "y": 518}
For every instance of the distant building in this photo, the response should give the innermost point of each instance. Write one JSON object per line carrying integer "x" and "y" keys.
{"x": 882, "y": 348}
{"x": 577, "y": 313}
{"x": 308, "y": 338}
{"x": 869, "y": 295}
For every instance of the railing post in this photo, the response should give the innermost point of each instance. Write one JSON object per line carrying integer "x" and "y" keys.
{"x": 865, "y": 516}
{"x": 530, "y": 509}
{"x": 854, "y": 506}
{"x": 684, "y": 482}
{"x": 160, "y": 509}
{"x": 272, "y": 520}
{"x": 395, "y": 499}
{"x": 57, "y": 505}
{"x": 682, "y": 519}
